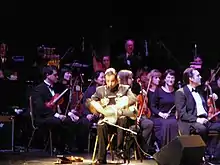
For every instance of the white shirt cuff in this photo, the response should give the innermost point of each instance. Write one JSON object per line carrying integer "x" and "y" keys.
{"x": 57, "y": 115}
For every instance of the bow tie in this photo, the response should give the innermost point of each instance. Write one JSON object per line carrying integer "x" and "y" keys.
{"x": 51, "y": 87}
{"x": 194, "y": 90}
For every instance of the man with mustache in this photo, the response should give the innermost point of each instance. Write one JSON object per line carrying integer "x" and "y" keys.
{"x": 108, "y": 95}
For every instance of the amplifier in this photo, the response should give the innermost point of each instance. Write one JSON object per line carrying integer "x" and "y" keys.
{"x": 6, "y": 133}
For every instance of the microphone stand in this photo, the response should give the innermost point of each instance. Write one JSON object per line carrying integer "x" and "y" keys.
{"x": 70, "y": 49}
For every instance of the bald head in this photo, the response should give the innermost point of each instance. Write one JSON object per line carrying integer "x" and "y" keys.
{"x": 129, "y": 46}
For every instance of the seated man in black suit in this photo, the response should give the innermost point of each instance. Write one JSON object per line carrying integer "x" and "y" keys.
{"x": 192, "y": 107}
{"x": 50, "y": 117}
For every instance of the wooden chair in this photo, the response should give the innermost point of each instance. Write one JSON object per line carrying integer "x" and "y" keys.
{"x": 91, "y": 136}
{"x": 110, "y": 138}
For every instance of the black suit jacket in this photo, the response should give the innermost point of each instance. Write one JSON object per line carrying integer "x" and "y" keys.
{"x": 135, "y": 60}
{"x": 40, "y": 96}
{"x": 186, "y": 105}
{"x": 7, "y": 65}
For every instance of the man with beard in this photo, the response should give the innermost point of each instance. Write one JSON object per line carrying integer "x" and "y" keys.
{"x": 104, "y": 96}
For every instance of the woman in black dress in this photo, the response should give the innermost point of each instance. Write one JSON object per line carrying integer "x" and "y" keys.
{"x": 163, "y": 110}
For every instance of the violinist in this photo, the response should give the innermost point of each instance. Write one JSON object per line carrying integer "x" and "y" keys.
{"x": 153, "y": 79}
{"x": 50, "y": 117}
{"x": 146, "y": 125}
{"x": 192, "y": 107}
{"x": 163, "y": 110}
{"x": 80, "y": 123}
{"x": 98, "y": 80}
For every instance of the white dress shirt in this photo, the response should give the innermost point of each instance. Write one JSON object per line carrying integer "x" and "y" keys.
{"x": 199, "y": 106}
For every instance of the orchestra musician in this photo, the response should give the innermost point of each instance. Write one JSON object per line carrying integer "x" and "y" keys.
{"x": 109, "y": 92}
{"x": 163, "y": 110}
{"x": 125, "y": 77}
{"x": 98, "y": 80}
{"x": 192, "y": 107}
{"x": 153, "y": 79}
{"x": 50, "y": 117}
{"x": 101, "y": 63}
{"x": 80, "y": 127}
{"x": 3, "y": 57}
{"x": 106, "y": 61}
{"x": 129, "y": 60}
{"x": 215, "y": 87}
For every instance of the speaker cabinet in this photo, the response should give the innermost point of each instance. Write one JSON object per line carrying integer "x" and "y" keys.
{"x": 183, "y": 150}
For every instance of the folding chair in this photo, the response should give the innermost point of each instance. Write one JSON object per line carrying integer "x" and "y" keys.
{"x": 35, "y": 128}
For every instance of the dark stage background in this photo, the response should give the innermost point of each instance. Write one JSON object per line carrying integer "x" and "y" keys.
{"x": 107, "y": 24}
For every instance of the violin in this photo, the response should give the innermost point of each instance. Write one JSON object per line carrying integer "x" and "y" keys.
{"x": 77, "y": 96}
{"x": 212, "y": 110}
{"x": 142, "y": 100}
{"x": 57, "y": 99}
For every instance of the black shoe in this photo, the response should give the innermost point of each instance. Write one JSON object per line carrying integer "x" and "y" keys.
{"x": 148, "y": 157}
{"x": 120, "y": 154}
{"x": 100, "y": 162}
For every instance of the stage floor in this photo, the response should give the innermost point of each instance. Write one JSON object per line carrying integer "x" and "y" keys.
{"x": 42, "y": 158}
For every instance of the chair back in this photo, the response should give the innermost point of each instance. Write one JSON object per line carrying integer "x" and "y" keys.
{"x": 31, "y": 112}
